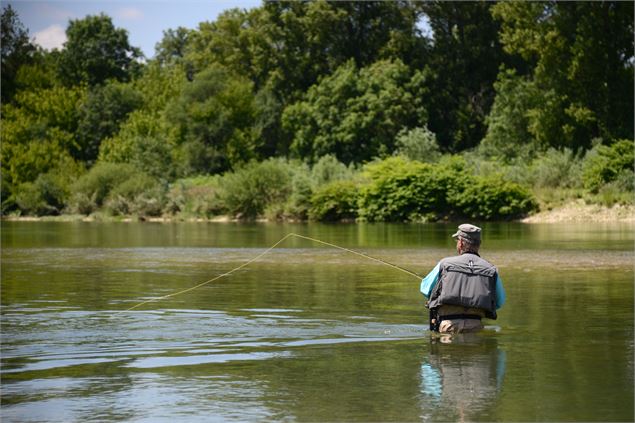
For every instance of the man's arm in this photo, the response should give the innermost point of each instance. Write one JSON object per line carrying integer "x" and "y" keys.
{"x": 500, "y": 292}
{"x": 428, "y": 283}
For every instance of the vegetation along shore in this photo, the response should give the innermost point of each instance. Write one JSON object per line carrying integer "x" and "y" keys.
{"x": 322, "y": 111}
{"x": 575, "y": 211}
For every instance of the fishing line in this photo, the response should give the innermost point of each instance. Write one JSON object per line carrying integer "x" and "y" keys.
{"x": 394, "y": 266}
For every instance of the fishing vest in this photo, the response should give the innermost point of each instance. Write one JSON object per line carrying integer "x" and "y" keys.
{"x": 468, "y": 281}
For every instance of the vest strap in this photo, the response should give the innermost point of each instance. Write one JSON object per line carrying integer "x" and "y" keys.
{"x": 459, "y": 316}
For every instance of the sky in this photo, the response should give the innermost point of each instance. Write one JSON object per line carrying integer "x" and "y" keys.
{"x": 145, "y": 20}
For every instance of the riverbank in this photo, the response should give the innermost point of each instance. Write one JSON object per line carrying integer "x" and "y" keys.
{"x": 579, "y": 211}
{"x": 106, "y": 218}
{"x": 574, "y": 211}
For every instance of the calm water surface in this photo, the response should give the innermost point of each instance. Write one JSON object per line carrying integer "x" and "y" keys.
{"x": 308, "y": 333}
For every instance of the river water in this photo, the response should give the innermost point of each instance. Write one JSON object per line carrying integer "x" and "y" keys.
{"x": 308, "y": 332}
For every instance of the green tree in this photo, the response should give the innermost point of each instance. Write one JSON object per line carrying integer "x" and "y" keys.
{"x": 330, "y": 33}
{"x": 146, "y": 139}
{"x": 96, "y": 51}
{"x": 23, "y": 164}
{"x": 508, "y": 124}
{"x": 214, "y": 119}
{"x": 38, "y": 137}
{"x": 291, "y": 44}
{"x": 39, "y": 73}
{"x": 17, "y": 50}
{"x": 356, "y": 114}
{"x": 328, "y": 169}
{"x": 144, "y": 142}
{"x": 101, "y": 114}
{"x": 462, "y": 66}
{"x": 494, "y": 198}
{"x": 38, "y": 134}
{"x": 172, "y": 46}
{"x": 226, "y": 41}
{"x": 581, "y": 55}
{"x": 285, "y": 47}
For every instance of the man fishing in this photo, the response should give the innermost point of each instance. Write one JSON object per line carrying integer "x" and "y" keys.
{"x": 463, "y": 289}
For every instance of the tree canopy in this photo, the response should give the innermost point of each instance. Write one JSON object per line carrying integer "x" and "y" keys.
{"x": 96, "y": 51}
{"x": 17, "y": 50}
{"x": 304, "y": 80}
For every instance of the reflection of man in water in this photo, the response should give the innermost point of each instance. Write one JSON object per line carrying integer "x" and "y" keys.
{"x": 463, "y": 289}
{"x": 460, "y": 379}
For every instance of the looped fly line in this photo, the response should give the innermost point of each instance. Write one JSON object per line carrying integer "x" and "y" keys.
{"x": 261, "y": 255}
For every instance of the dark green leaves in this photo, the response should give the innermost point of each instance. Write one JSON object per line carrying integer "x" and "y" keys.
{"x": 96, "y": 51}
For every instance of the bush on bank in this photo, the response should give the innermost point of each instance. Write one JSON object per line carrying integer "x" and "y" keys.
{"x": 249, "y": 191}
{"x": 195, "y": 197}
{"x": 117, "y": 188}
{"x": 392, "y": 189}
{"x": 494, "y": 199}
{"x": 335, "y": 201}
{"x": 140, "y": 196}
{"x": 602, "y": 175}
{"x": 398, "y": 189}
{"x": 609, "y": 165}
{"x": 402, "y": 190}
{"x": 45, "y": 196}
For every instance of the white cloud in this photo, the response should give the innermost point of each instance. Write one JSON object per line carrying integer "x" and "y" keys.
{"x": 130, "y": 13}
{"x": 51, "y": 37}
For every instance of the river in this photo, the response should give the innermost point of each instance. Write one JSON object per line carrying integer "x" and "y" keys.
{"x": 308, "y": 332}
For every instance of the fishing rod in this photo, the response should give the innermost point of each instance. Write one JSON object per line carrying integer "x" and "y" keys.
{"x": 291, "y": 234}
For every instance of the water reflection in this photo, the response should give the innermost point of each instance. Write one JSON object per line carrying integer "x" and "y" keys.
{"x": 462, "y": 377}
{"x": 498, "y": 236}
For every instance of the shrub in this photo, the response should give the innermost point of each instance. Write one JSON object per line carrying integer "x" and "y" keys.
{"x": 493, "y": 198}
{"x": 299, "y": 201}
{"x": 515, "y": 169}
{"x": 604, "y": 164}
{"x": 7, "y": 196}
{"x": 46, "y": 196}
{"x": 556, "y": 169}
{"x": 401, "y": 190}
{"x": 335, "y": 201}
{"x": 94, "y": 188}
{"x": 199, "y": 196}
{"x": 329, "y": 169}
{"x": 625, "y": 181}
{"x": 418, "y": 144}
{"x": 611, "y": 194}
{"x": 98, "y": 182}
{"x": 141, "y": 195}
{"x": 249, "y": 190}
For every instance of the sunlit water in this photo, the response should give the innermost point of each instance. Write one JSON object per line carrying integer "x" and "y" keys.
{"x": 308, "y": 333}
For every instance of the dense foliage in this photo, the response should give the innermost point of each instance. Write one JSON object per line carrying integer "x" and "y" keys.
{"x": 325, "y": 110}
{"x": 17, "y": 51}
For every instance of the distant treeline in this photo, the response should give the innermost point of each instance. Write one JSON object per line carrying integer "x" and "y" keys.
{"x": 385, "y": 111}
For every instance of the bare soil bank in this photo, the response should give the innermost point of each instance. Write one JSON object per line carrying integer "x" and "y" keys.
{"x": 578, "y": 211}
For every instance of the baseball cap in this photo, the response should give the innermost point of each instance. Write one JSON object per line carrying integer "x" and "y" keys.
{"x": 469, "y": 232}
